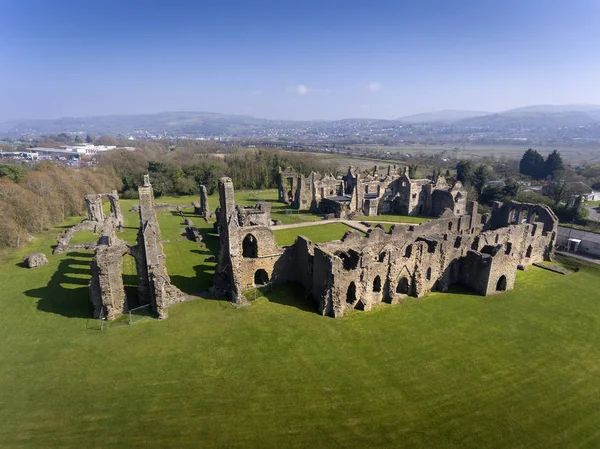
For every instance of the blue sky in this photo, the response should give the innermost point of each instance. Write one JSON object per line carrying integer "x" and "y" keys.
{"x": 295, "y": 60}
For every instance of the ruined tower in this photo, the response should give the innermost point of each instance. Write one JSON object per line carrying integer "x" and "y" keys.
{"x": 227, "y": 282}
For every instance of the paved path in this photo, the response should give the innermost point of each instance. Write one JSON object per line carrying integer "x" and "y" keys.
{"x": 579, "y": 256}
{"x": 594, "y": 212}
{"x": 351, "y": 223}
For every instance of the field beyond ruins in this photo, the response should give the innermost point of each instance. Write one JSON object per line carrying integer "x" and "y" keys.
{"x": 450, "y": 370}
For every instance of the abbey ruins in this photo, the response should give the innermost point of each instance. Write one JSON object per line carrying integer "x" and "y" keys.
{"x": 107, "y": 291}
{"x": 376, "y": 193}
{"x": 480, "y": 252}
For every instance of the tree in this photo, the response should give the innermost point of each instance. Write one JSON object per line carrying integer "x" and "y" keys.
{"x": 557, "y": 190}
{"x": 412, "y": 170}
{"x": 89, "y": 139}
{"x": 481, "y": 176}
{"x": 106, "y": 140}
{"x": 532, "y": 164}
{"x": 79, "y": 139}
{"x": 511, "y": 188}
{"x": 554, "y": 163}
{"x": 12, "y": 172}
{"x": 464, "y": 171}
{"x": 490, "y": 194}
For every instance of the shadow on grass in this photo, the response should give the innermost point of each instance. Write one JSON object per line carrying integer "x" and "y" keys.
{"x": 66, "y": 294}
{"x": 200, "y": 283}
{"x": 290, "y": 294}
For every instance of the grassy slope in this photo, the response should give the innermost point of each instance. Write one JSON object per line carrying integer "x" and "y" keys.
{"x": 517, "y": 370}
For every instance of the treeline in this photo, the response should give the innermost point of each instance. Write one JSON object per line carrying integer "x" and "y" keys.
{"x": 33, "y": 200}
{"x": 533, "y": 164}
{"x": 556, "y": 193}
{"x": 175, "y": 172}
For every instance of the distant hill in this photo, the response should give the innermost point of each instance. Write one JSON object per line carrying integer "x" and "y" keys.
{"x": 558, "y": 108}
{"x": 537, "y": 120}
{"x": 446, "y": 116}
{"x": 173, "y": 122}
{"x": 535, "y": 117}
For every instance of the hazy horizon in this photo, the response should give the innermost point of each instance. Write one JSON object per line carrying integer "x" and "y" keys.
{"x": 291, "y": 60}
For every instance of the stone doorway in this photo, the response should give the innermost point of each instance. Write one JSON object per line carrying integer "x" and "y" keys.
{"x": 501, "y": 284}
{"x": 261, "y": 277}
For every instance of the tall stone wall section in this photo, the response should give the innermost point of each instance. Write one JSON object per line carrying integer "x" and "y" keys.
{"x": 107, "y": 292}
{"x": 161, "y": 293}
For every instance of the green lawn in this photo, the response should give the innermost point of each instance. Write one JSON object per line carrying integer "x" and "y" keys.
{"x": 398, "y": 219}
{"x": 318, "y": 234}
{"x": 451, "y": 370}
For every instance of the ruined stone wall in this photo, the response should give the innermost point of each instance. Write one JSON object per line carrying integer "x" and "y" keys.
{"x": 160, "y": 292}
{"x": 93, "y": 204}
{"x": 359, "y": 272}
{"x": 257, "y": 215}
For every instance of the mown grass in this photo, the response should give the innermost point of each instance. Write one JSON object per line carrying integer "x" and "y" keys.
{"x": 317, "y": 234}
{"x": 520, "y": 369}
{"x": 397, "y": 219}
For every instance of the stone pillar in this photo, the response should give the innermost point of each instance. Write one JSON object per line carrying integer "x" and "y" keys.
{"x": 204, "y": 208}
{"x": 93, "y": 204}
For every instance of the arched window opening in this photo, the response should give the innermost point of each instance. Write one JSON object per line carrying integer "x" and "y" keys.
{"x": 402, "y": 286}
{"x": 250, "y": 246}
{"x": 377, "y": 284}
{"x": 508, "y": 248}
{"x": 367, "y": 188}
{"x": 450, "y": 226}
{"x": 351, "y": 293}
{"x": 428, "y": 274}
{"x": 529, "y": 251}
{"x": 524, "y": 213}
{"x": 261, "y": 277}
{"x": 512, "y": 218}
{"x": 501, "y": 284}
{"x": 408, "y": 251}
{"x": 381, "y": 257}
{"x": 458, "y": 197}
{"x": 497, "y": 238}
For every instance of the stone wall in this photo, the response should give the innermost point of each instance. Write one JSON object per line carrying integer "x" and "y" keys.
{"x": 154, "y": 285}
{"x": 377, "y": 192}
{"x": 358, "y": 272}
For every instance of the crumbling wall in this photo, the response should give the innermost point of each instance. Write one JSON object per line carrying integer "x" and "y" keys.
{"x": 160, "y": 293}
{"x": 359, "y": 272}
{"x": 257, "y": 215}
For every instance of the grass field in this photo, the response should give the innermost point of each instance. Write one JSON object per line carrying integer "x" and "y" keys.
{"x": 450, "y": 370}
{"x": 318, "y": 234}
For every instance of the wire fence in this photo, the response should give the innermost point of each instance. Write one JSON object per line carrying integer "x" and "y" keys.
{"x": 257, "y": 291}
{"x": 129, "y": 318}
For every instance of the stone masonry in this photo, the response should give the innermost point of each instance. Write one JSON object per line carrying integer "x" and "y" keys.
{"x": 481, "y": 252}
{"x": 107, "y": 292}
{"x": 367, "y": 194}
